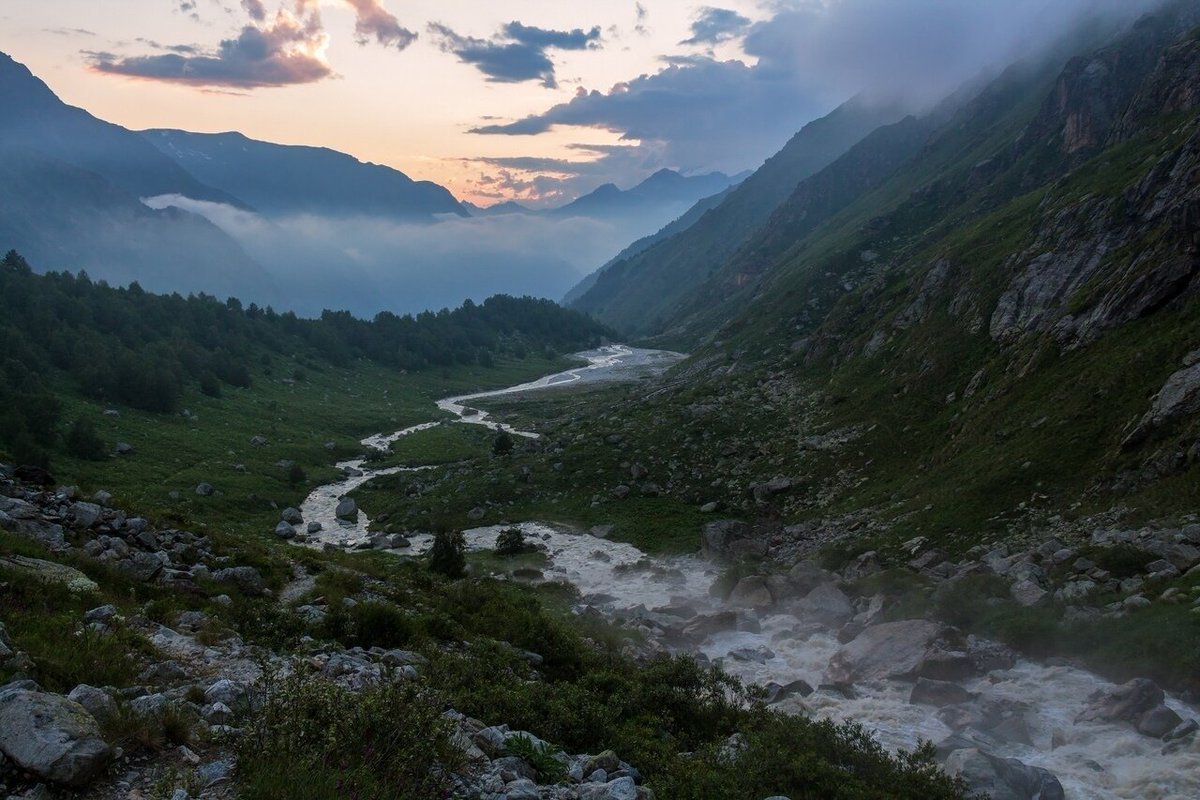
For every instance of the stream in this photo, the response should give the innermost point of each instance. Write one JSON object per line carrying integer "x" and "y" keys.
{"x": 1093, "y": 761}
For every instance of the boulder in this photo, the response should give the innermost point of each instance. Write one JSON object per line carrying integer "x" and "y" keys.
{"x": 777, "y": 693}
{"x": 347, "y": 509}
{"x": 314, "y": 527}
{"x": 826, "y": 605}
{"x": 718, "y": 536}
{"x": 205, "y": 490}
{"x": 51, "y": 736}
{"x": 247, "y": 579}
{"x": 892, "y": 650}
{"x": 1028, "y": 593}
{"x": 1124, "y": 703}
{"x": 1003, "y": 778}
{"x": 97, "y": 702}
{"x": 929, "y": 692}
{"x": 85, "y": 515}
{"x": 751, "y": 592}
{"x": 808, "y": 575}
{"x": 1158, "y": 722}
{"x": 285, "y": 531}
{"x": 292, "y": 516}
{"x": 124, "y": 449}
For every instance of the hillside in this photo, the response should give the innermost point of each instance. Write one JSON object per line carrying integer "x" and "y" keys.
{"x": 638, "y": 294}
{"x": 279, "y": 180}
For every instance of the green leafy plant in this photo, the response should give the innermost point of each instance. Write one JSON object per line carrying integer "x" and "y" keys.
{"x": 448, "y": 555}
{"x": 539, "y": 755}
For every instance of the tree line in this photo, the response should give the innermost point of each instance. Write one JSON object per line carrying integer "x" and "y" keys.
{"x": 122, "y": 345}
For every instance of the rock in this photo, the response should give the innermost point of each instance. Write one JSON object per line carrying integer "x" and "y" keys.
{"x": 1182, "y": 730}
{"x": 292, "y": 516}
{"x": 124, "y": 449}
{"x": 102, "y": 498}
{"x": 622, "y": 788}
{"x": 865, "y": 564}
{"x": 205, "y": 490}
{"x": 51, "y": 736}
{"x": 1179, "y": 397}
{"x": 710, "y": 507}
{"x": 285, "y": 531}
{"x": 97, "y": 702}
{"x": 85, "y": 515}
{"x": 258, "y": 441}
{"x": 1125, "y": 703}
{"x": 1028, "y": 593}
{"x": 104, "y": 614}
{"x": 347, "y": 509}
{"x": 826, "y": 605}
{"x": 1003, "y": 778}
{"x": 1158, "y": 722}
{"x": 808, "y": 575}
{"x": 621, "y": 491}
{"x": 475, "y": 513}
{"x": 716, "y": 538}
{"x": 751, "y": 592}
{"x": 938, "y": 693}
{"x": 777, "y": 693}
{"x": 314, "y": 527}
{"x": 889, "y": 650}
{"x": 226, "y": 692}
{"x": 247, "y": 579}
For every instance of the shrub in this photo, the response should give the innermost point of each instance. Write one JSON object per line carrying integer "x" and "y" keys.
{"x": 503, "y": 444}
{"x": 510, "y": 542}
{"x": 82, "y": 441}
{"x": 317, "y": 740}
{"x": 541, "y": 756}
{"x": 210, "y": 385}
{"x": 448, "y": 555}
{"x": 380, "y": 624}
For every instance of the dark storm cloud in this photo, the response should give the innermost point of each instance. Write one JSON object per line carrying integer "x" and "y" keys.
{"x": 517, "y": 53}
{"x": 256, "y": 9}
{"x": 810, "y": 56}
{"x": 716, "y": 25}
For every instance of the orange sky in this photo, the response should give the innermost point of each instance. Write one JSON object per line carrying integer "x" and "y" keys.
{"x": 409, "y": 108}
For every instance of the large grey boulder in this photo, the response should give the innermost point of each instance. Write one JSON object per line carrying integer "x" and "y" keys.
{"x": 51, "y": 736}
{"x": 1003, "y": 778}
{"x": 347, "y": 509}
{"x": 292, "y": 516}
{"x": 890, "y": 650}
{"x": 247, "y": 579}
{"x": 285, "y": 531}
{"x": 751, "y": 592}
{"x": 938, "y": 693}
{"x": 85, "y": 515}
{"x": 1124, "y": 703}
{"x": 826, "y": 605}
{"x": 98, "y": 702}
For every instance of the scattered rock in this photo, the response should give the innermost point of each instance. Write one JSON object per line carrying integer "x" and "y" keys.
{"x": 51, "y": 736}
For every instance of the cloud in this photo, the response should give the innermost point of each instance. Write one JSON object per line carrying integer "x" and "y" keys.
{"x": 642, "y": 15}
{"x": 517, "y": 53}
{"x": 698, "y": 112}
{"x": 285, "y": 50}
{"x": 374, "y": 21}
{"x": 289, "y": 50}
{"x": 256, "y": 10}
{"x": 368, "y": 265}
{"x": 716, "y": 25}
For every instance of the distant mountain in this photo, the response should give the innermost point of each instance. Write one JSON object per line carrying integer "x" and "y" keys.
{"x": 663, "y": 189}
{"x": 678, "y": 225}
{"x": 499, "y": 209}
{"x": 33, "y": 117}
{"x": 71, "y": 200}
{"x": 62, "y": 217}
{"x": 280, "y": 180}
{"x": 638, "y": 293}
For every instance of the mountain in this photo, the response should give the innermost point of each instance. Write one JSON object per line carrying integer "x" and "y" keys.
{"x": 677, "y": 225}
{"x": 279, "y": 180}
{"x": 990, "y": 335}
{"x": 72, "y": 200}
{"x": 35, "y": 118}
{"x": 637, "y": 293}
{"x": 664, "y": 189}
{"x": 499, "y": 209}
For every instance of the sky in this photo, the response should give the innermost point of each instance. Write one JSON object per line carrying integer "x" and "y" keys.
{"x": 519, "y": 99}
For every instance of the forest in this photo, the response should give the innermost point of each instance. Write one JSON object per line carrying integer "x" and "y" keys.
{"x": 124, "y": 346}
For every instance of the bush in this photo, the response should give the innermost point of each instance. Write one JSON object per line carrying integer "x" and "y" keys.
{"x": 317, "y": 740}
{"x": 510, "y": 542}
{"x": 503, "y": 445}
{"x": 210, "y": 385}
{"x": 448, "y": 555}
{"x": 296, "y": 475}
{"x": 83, "y": 442}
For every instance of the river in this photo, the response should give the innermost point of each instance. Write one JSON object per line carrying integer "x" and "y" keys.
{"x": 1094, "y": 761}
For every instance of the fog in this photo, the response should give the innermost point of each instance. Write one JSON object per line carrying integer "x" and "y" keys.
{"x": 366, "y": 265}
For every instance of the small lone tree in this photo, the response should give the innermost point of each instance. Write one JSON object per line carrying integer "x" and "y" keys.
{"x": 82, "y": 441}
{"x": 503, "y": 445}
{"x": 448, "y": 555}
{"x": 510, "y": 542}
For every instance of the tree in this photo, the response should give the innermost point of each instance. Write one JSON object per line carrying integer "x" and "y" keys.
{"x": 83, "y": 442}
{"x": 503, "y": 445}
{"x": 510, "y": 542}
{"x": 296, "y": 475}
{"x": 448, "y": 555}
